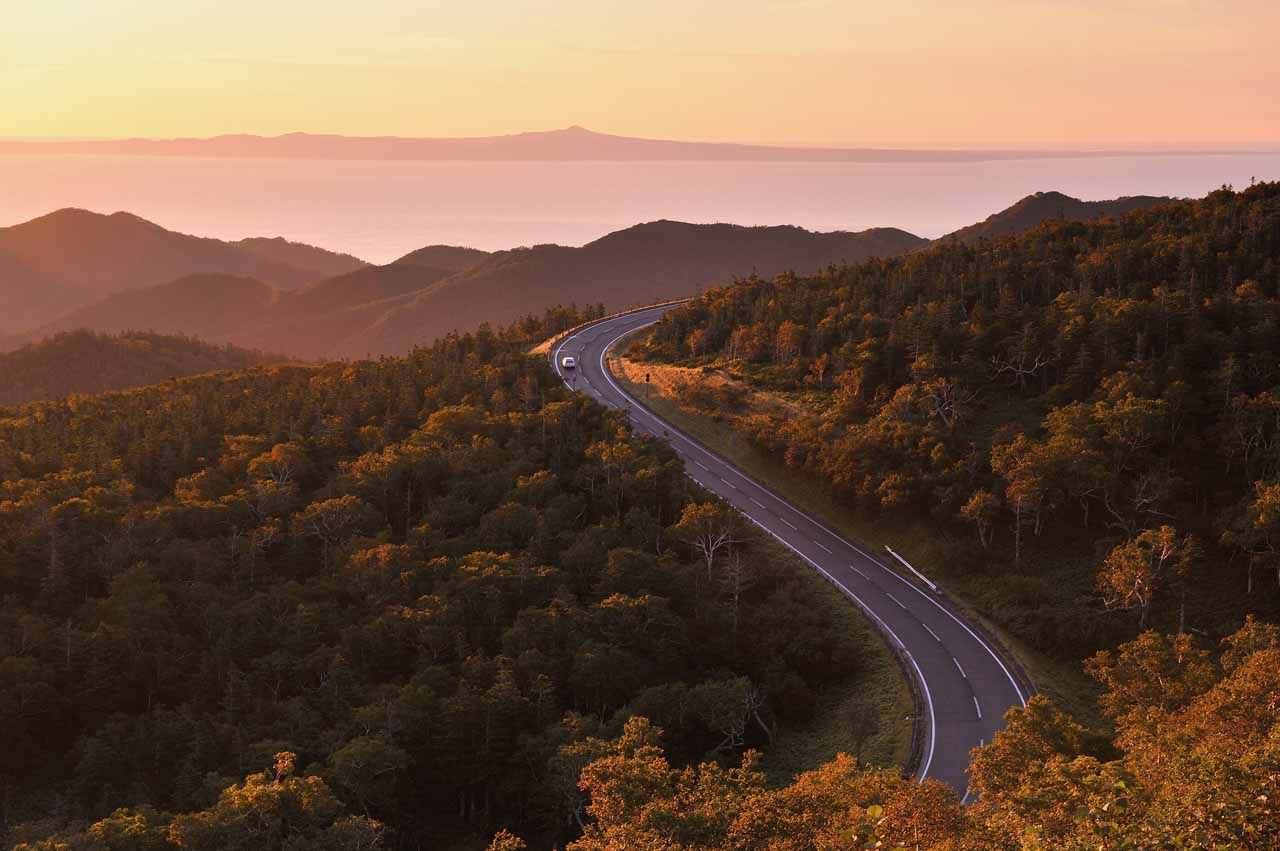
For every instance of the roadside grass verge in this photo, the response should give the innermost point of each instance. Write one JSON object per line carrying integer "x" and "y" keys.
{"x": 876, "y": 684}
{"x": 919, "y": 540}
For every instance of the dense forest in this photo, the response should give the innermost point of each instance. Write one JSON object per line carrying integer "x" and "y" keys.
{"x": 1090, "y": 410}
{"x": 439, "y": 600}
{"x": 395, "y": 602}
{"x": 1196, "y": 768}
{"x": 88, "y": 362}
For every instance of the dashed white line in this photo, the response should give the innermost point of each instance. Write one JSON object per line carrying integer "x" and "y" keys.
{"x": 703, "y": 466}
{"x": 828, "y": 549}
{"x": 729, "y": 483}
{"x": 869, "y": 612}
{"x": 895, "y": 599}
{"x": 859, "y": 572}
{"x": 976, "y": 707}
{"x": 931, "y": 632}
{"x": 788, "y": 522}
{"x": 756, "y": 501}
{"x": 962, "y": 673}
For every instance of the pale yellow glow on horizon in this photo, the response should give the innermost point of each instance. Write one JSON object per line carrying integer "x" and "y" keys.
{"x": 988, "y": 72}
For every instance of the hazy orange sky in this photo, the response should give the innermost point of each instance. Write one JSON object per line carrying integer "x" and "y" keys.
{"x": 908, "y": 72}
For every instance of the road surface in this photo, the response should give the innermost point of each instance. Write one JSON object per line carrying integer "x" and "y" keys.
{"x": 965, "y": 686}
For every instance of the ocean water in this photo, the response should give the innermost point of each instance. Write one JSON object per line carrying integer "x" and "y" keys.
{"x": 381, "y": 210}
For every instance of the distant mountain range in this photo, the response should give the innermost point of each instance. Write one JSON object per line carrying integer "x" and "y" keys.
{"x": 71, "y": 258}
{"x": 570, "y": 143}
{"x": 643, "y": 263}
{"x": 120, "y": 273}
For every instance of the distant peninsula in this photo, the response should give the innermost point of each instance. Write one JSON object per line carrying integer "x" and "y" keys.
{"x": 569, "y": 144}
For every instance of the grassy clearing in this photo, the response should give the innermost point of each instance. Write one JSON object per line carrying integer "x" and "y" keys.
{"x": 919, "y": 540}
{"x": 878, "y": 679}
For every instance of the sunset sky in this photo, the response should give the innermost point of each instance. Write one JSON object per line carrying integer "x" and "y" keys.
{"x": 912, "y": 72}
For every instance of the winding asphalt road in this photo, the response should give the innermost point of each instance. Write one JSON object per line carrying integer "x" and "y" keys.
{"x": 965, "y": 686}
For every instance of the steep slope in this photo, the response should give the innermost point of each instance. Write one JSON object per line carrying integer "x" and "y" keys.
{"x": 1042, "y": 206}
{"x": 87, "y": 362}
{"x": 67, "y": 259}
{"x": 317, "y": 261}
{"x": 651, "y": 261}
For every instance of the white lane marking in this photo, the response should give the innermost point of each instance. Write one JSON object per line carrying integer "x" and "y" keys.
{"x": 859, "y": 572}
{"x": 976, "y": 707}
{"x": 703, "y": 466}
{"x": 828, "y": 549}
{"x": 931, "y": 632}
{"x": 933, "y": 726}
{"x": 756, "y": 501}
{"x": 729, "y": 483}
{"x": 789, "y": 523}
{"x": 895, "y": 599}
{"x": 887, "y": 630}
{"x": 962, "y": 673}
{"x": 1016, "y": 688}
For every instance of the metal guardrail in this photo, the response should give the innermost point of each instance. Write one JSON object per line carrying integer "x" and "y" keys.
{"x": 551, "y": 341}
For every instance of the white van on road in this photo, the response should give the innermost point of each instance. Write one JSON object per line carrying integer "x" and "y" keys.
{"x": 568, "y": 362}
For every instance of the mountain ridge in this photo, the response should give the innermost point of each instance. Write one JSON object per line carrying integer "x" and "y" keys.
{"x": 437, "y": 289}
{"x": 87, "y": 256}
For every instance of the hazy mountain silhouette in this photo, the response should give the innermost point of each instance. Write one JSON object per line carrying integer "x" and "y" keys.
{"x": 434, "y": 290}
{"x": 318, "y": 261}
{"x": 210, "y": 306}
{"x": 310, "y": 322}
{"x": 390, "y": 308}
{"x": 650, "y": 261}
{"x": 70, "y": 257}
{"x": 450, "y": 257}
{"x": 1042, "y": 206}
{"x": 570, "y": 143}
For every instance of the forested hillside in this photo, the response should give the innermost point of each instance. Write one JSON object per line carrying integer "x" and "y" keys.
{"x": 1088, "y": 414}
{"x": 1034, "y": 209}
{"x": 1196, "y": 769}
{"x": 86, "y": 362}
{"x": 407, "y": 599}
